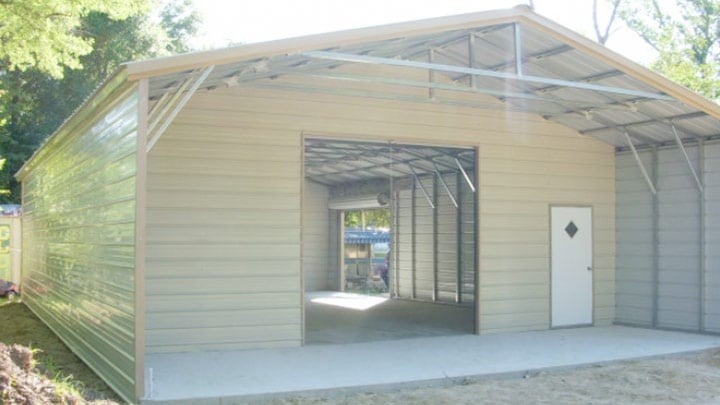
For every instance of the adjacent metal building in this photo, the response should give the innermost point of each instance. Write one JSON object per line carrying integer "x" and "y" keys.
{"x": 500, "y": 135}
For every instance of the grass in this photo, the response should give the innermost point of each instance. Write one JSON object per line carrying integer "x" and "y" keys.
{"x": 18, "y": 325}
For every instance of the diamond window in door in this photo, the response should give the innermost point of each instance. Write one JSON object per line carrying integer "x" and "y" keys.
{"x": 571, "y": 229}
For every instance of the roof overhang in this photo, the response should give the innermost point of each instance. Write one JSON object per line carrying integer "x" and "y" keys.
{"x": 512, "y": 60}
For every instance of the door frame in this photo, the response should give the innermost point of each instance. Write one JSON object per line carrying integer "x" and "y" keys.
{"x": 592, "y": 264}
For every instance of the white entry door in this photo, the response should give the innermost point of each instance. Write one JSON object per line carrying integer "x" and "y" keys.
{"x": 572, "y": 260}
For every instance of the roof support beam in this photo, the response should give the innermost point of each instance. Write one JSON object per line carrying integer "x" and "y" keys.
{"x": 646, "y": 122}
{"x": 587, "y": 79}
{"x": 445, "y": 186}
{"x": 465, "y": 175}
{"x": 481, "y": 72}
{"x": 680, "y": 145}
{"x": 422, "y": 188}
{"x": 640, "y": 164}
{"x": 517, "y": 37}
{"x": 430, "y": 85}
{"x": 471, "y": 59}
{"x": 154, "y": 137}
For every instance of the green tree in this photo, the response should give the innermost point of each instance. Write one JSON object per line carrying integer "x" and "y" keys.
{"x": 686, "y": 35}
{"x": 33, "y": 102}
{"x": 373, "y": 218}
{"x": 42, "y": 34}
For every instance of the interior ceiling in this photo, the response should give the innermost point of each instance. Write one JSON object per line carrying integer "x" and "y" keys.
{"x": 510, "y": 67}
{"x": 333, "y": 162}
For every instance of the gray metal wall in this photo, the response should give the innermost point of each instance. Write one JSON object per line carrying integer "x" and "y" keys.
{"x": 79, "y": 240}
{"x": 667, "y": 268}
{"x": 316, "y": 237}
{"x": 435, "y": 247}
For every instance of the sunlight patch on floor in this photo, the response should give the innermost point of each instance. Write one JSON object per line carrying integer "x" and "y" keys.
{"x": 357, "y": 302}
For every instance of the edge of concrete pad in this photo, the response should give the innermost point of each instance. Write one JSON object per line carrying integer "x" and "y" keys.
{"x": 447, "y": 381}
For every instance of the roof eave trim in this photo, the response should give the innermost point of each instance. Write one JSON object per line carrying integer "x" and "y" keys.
{"x": 171, "y": 64}
{"x": 98, "y": 98}
{"x": 625, "y": 65}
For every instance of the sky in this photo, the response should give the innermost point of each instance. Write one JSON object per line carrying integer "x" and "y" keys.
{"x": 233, "y": 22}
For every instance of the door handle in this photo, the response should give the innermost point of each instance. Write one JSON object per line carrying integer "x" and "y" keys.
{"x": 589, "y": 268}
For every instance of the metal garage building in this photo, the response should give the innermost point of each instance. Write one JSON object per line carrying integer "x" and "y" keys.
{"x": 534, "y": 177}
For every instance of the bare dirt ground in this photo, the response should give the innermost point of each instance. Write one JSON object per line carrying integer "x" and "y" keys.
{"x": 37, "y": 368}
{"x": 681, "y": 379}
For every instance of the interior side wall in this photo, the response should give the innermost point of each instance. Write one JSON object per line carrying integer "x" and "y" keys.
{"x": 79, "y": 240}
{"x": 316, "y": 237}
{"x": 435, "y": 246}
{"x": 228, "y": 172}
{"x": 667, "y": 272}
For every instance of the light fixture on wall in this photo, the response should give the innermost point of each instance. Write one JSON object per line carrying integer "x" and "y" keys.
{"x": 360, "y": 202}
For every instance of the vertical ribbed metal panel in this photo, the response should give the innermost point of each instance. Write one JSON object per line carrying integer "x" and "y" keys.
{"x": 634, "y": 238}
{"x": 447, "y": 240}
{"x": 79, "y": 241}
{"x": 468, "y": 203}
{"x": 403, "y": 243}
{"x": 679, "y": 241}
{"x": 712, "y": 238}
{"x": 424, "y": 241}
{"x": 432, "y": 267}
{"x": 316, "y": 236}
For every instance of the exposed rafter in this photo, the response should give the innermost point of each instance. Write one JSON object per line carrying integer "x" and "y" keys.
{"x": 482, "y": 72}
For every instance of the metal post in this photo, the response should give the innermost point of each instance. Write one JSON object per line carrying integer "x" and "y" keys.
{"x": 471, "y": 59}
{"x": 656, "y": 239}
{"x": 518, "y": 50}
{"x": 436, "y": 264}
{"x": 703, "y": 236}
{"x": 459, "y": 239}
{"x": 413, "y": 222}
{"x": 395, "y": 251}
{"x": 392, "y": 263}
{"x": 431, "y": 74}
{"x": 476, "y": 244}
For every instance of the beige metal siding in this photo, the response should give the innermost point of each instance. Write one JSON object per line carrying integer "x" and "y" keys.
{"x": 316, "y": 237}
{"x": 234, "y": 154}
{"x": 223, "y": 233}
{"x": 79, "y": 253}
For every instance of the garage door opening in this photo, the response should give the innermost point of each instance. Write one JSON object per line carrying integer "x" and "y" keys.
{"x": 424, "y": 282}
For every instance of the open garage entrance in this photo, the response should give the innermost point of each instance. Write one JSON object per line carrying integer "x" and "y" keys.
{"x": 424, "y": 283}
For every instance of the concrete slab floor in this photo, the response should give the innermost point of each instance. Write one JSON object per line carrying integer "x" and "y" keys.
{"x": 234, "y": 377}
{"x": 337, "y": 318}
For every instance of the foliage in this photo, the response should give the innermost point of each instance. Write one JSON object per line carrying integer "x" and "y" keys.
{"x": 374, "y": 218}
{"x": 686, "y": 36}
{"x": 42, "y": 34}
{"x": 33, "y": 103}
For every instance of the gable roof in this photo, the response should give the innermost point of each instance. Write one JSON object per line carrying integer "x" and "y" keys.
{"x": 562, "y": 75}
